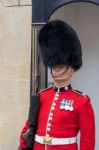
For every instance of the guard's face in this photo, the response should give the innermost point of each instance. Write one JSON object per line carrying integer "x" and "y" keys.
{"x": 58, "y": 70}
{"x": 62, "y": 73}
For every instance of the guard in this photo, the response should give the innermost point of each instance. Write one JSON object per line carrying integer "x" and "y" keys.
{"x": 63, "y": 111}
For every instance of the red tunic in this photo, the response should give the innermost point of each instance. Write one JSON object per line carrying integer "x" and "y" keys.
{"x": 61, "y": 119}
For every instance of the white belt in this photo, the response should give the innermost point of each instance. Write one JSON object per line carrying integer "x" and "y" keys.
{"x": 54, "y": 141}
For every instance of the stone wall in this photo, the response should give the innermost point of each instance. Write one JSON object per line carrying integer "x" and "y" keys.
{"x": 15, "y": 46}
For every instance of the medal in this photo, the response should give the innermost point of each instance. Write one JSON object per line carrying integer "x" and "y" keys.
{"x": 62, "y": 104}
{"x": 66, "y": 108}
{"x": 71, "y": 106}
{"x": 67, "y": 104}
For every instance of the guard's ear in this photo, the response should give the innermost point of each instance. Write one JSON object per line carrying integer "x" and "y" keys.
{"x": 70, "y": 70}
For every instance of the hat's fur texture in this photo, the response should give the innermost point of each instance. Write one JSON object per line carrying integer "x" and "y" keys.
{"x": 60, "y": 45}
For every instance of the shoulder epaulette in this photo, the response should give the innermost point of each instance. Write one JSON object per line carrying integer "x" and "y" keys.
{"x": 80, "y": 93}
{"x": 43, "y": 90}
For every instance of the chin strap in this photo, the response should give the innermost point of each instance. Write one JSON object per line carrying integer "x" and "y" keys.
{"x": 67, "y": 69}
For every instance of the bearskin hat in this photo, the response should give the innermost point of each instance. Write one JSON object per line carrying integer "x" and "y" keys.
{"x": 60, "y": 45}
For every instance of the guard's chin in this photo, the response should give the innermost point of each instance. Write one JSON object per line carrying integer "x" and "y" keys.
{"x": 60, "y": 79}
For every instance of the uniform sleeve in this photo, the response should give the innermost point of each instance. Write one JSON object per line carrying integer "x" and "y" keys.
{"x": 23, "y": 143}
{"x": 87, "y": 127}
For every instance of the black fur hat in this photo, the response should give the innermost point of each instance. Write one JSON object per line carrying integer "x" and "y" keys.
{"x": 60, "y": 45}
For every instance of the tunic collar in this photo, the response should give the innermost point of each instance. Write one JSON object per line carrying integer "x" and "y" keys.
{"x": 62, "y": 89}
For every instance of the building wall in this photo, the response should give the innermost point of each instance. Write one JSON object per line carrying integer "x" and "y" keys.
{"x": 15, "y": 46}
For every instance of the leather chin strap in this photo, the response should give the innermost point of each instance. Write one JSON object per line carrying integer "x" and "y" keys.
{"x": 62, "y": 74}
